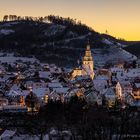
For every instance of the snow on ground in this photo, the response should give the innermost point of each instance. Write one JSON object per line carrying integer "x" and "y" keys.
{"x": 10, "y": 58}
{"x": 8, "y": 24}
{"x": 103, "y": 56}
{"x": 112, "y": 43}
{"x": 54, "y": 29}
{"x": 26, "y": 137}
{"x": 106, "y": 41}
{"x": 79, "y": 37}
{"x": 6, "y": 31}
{"x": 71, "y": 34}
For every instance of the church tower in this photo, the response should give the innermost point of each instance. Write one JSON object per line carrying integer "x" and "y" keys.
{"x": 88, "y": 64}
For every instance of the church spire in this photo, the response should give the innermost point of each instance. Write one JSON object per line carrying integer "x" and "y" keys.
{"x": 88, "y": 61}
{"x": 88, "y": 47}
{"x": 88, "y": 55}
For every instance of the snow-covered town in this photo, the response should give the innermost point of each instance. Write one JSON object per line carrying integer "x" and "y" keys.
{"x": 22, "y": 78}
{"x": 69, "y": 70}
{"x": 26, "y": 86}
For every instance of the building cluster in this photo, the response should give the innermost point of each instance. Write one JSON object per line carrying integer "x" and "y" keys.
{"x": 22, "y": 83}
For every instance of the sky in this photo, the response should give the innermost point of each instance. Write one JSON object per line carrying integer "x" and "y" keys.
{"x": 121, "y": 18}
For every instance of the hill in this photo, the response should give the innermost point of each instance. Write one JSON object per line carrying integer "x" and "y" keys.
{"x": 57, "y": 40}
{"x": 134, "y": 49}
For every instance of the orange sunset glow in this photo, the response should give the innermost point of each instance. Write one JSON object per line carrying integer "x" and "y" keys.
{"x": 120, "y": 18}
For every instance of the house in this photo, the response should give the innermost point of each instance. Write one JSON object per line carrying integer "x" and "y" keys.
{"x": 133, "y": 73}
{"x": 93, "y": 97}
{"x": 117, "y": 70}
{"x": 74, "y": 91}
{"x": 55, "y": 85}
{"x": 129, "y": 100}
{"x": 123, "y": 88}
{"x": 55, "y": 96}
{"x": 41, "y": 92}
{"x": 3, "y": 101}
{"x": 7, "y": 135}
{"x": 136, "y": 91}
{"x": 35, "y": 84}
{"x": 100, "y": 84}
{"x": 44, "y": 74}
{"x": 117, "y": 74}
{"x": 110, "y": 96}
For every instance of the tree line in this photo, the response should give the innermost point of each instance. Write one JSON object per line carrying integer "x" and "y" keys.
{"x": 19, "y": 18}
{"x": 49, "y": 18}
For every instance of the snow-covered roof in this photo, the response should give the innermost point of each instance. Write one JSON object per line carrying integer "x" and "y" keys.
{"x": 102, "y": 77}
{"x": 92, "y": 95}
{"x": 137, "y": 85}
{"x": 2, "y": 79}
{"x": 40, "y": 92}
{"x": 109, "y": 93}
{"x": 133, "y": 73}
{"x": 7, "y": 133}
{"x": 15, "y": 87}
{"x": 5, "y": 78}
{"x": 18, "y": 92}
{"x": 84, "y": 77}
{"x": 55, "y": 85}
{"x": 116, "y": 69}
{"x": 63, "y": 90}
{"x": 53, "y": 132}
{"x": 136, "y": 103}
{"x": 67, "y": 132}
{"x": 124, "y": 83}
{"x": 14, "y": 107}
{"x": 100, "y": 84}
{"x": 14, "y": 93}
{"x": 44, "y": 74}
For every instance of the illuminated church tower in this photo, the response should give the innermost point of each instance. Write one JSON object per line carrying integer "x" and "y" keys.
{"x": 88, "y": 64}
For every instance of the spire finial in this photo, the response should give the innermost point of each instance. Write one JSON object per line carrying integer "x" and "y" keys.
{"x": 88, "y": 42}
{"x": 78, "y": 62}
{"x": 88, "y": 45}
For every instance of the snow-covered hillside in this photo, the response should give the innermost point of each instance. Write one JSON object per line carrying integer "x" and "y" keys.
{"x": 54, "y": 30}
{"x": 112, "y": 55}
{"x": 6, "y": 31}
{"x": 62, "y": 44}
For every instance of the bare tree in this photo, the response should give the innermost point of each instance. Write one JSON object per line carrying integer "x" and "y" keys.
{"x": 5, "y": 18}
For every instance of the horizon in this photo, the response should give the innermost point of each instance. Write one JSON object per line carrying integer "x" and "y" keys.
{"x": 119, "y": 18}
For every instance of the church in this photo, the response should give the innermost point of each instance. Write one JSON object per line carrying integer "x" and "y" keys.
{"x": 87, "y": 67}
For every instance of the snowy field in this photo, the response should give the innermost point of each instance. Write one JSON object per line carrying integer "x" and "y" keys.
{"x": 10, "y": 58}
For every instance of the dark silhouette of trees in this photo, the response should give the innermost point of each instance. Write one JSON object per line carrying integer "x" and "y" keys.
{"x": 5, "y": 18}
{"x": 31, "y": 101}
{"x": 134, "y": 64}
{"x": 53, "y": 19}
